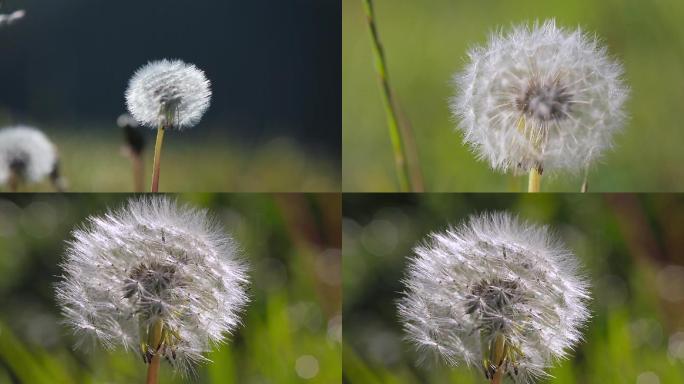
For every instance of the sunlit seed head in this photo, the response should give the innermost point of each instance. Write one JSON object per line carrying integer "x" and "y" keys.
{"x": 26, "y": 154}
{"x": 495, "y": 281}
{"x": 153, "y": 261}
{"x": 168, "y": 93}
{"x": 540, "y": 97}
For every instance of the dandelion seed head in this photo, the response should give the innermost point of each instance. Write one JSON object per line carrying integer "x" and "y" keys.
{"x": 126, "y": 120}
{"x": 11, "y": 18}
{"x": 169, "y": 93}
{"x": 153, "y": 260}
{"x": 495, "y": 276}
{"x": 540, "y": 97}
{"x": 26, "y": 153}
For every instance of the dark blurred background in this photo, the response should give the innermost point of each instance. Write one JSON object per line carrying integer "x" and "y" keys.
{"x": 631, "y": 246}
{"x": 292, "y": 328}
{"x": 274, "y": 67}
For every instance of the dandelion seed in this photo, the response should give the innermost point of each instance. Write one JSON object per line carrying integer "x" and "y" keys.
{"x": 540, "y": 98}
{"x": 153, "y": 276}
{"x": 495, "y": 293}
{"x": 27, "y": 156}
{"x": 167, "y": 94}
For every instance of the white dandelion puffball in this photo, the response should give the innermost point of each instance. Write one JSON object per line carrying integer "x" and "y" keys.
{"x": 11, "y": 18}
{"x": 150, "y": 262}
{"x": 543, "y": 98}
{"x": 26, "y": 153}
{"x": 495, "y": 283}
{"x": 168, "y": 93}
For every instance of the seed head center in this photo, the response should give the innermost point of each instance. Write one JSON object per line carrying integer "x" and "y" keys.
{"x": 496, "y": 295}
{"x": 153, "y": 278}
{"x": 545, "y": 102}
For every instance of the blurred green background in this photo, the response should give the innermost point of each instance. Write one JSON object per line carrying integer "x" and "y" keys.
{"x": 94, "y": 160}
{"x": 631, "y": 246}
{"x": 426, "y": 43}
{"x": 292, "y": 328}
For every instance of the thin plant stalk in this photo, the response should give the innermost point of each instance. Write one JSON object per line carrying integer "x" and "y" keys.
{"x": 155, "y": 344}
{"x": 401, "y": 165}
{"x": 498, "y": 376}
{"x": 138, "y": 172}
{"x": 498, "y": 351}
{"x": 153, "y": 370}
{"x": 534, "y": 183}
{"x": 411, "y": 151}
{"x": 157, "y": 158}
{"x": 13, "y": 183}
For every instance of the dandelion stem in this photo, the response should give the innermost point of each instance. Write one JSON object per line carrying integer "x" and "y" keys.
{"x": 154, "y": 343}
{"x": 13, "y": 182}
{"x": 153, "y": 370}
{"x": 157, "y": 158}
{"x": 498, "y": 376}
{"x": 534, "y": 184}
{"x": 398, "y": 147}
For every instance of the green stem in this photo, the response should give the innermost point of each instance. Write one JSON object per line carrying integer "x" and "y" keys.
{"x": 534, "y": 184}
{"x": 498, "y": 376}
{"x": 390, "y": 112}
{"x": 157, "y": 157}
{"x": 155, "y": 340}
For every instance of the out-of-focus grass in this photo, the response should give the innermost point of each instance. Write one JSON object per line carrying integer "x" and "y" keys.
{"x": 426, "y": 42}
{"x": 291, "y": 330}
{"x": 93, "y": 161}
{"x": 630, "y": 247}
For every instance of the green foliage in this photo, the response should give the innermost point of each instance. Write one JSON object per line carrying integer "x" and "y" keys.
{"x": 291, "y": 314}
{"x": 426, "y": 42}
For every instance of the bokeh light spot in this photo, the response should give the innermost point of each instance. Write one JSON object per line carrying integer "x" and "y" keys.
{"x": 306, "y": 367}
{"x": 648, "y": 378}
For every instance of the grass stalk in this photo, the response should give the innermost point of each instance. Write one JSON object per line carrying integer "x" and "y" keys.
{"x": 398, "y": 146}
{"x": 157, "y": 157}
